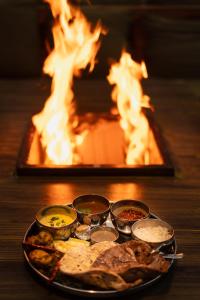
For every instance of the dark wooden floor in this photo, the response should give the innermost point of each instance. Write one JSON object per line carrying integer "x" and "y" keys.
{"x": 175, "y": 199}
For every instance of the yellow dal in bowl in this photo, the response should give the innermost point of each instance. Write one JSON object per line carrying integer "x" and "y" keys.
{"x": 56, "y": 220}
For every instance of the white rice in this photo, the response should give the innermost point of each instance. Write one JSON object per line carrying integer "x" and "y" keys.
{"x": 152, "y": 234}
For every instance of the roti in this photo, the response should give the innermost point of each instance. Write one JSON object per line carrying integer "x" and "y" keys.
{"x": 80, "y": 259}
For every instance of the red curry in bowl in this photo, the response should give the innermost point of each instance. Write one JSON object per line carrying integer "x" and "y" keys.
{"x": 131, "y": 214}
{"x": 125, "y": 212}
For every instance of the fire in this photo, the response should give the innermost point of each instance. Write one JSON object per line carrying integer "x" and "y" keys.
{"x": 76, "y": 44}
{"x": 128, "y": 95}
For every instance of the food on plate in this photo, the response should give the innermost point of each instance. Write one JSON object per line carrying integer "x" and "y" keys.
{"x": 126, "y": 212}
{"x": 131, "y": 254}
{"x": 83, "y": 232}
{"x": 98, "y": 248}
{"x": 104, "y": 279}
{"x": 119, "y": 267}
{"x": 91, "y": 209}
{"x": 42, "y": 238}
{"x": 154, "y": 231}
{"x": 63, "y": 246}
{"x": 153, "y": 234}
{"x": 60, "y": 220}
{"x": 129, "y": 210}
{"x": 76, "y": 260}
{"x": 56, "y": 220}
{"x": 93, "y": 206}
{"x": 40, "y": 257}
{"x": 80, "y": 259}
{"x": 103, "y": 233}
{"x": 82, "y": 228}
{"x": 44, "y": 259}
{"x": 63, "y": 253}
{"x": 130, "y": 214}
{"x": 77, "y": 242}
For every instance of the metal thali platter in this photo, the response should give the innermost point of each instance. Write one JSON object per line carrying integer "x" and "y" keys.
{"x": 75, "y": 287}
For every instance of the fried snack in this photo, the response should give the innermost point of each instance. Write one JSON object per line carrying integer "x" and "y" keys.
{"x": 41, "y": 258}
{"x": 43, "y": 238}
{"x": 44, "y": 259}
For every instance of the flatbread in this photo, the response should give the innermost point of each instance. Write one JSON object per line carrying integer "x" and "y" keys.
{"x": 80, "y": 259}
{"x": 114, "y": 266}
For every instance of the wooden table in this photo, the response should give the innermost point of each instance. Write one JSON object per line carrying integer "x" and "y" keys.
{"x": 175, "y": 199}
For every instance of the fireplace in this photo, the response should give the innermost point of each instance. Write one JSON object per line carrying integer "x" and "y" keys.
{"x": 30, "y": 160}
{"x": 60, "y": 141}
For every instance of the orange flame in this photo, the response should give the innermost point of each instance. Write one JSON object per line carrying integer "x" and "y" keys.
{"x": 128, "y": 94}
{"x": 75, "y": 46}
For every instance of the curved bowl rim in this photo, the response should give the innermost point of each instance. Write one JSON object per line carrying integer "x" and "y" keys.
{"x": 93, "y": 195}
{"x": 56, "y": 228}
{"x": 153, "y": 220}
{"x": 146, "y": 210}
{"x": 97, "y": 228}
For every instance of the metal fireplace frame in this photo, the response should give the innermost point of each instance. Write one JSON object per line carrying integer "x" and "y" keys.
{"x": 165, "y": 169}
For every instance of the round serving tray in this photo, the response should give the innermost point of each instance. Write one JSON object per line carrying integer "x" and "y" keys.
{"x": 75, "y": 287}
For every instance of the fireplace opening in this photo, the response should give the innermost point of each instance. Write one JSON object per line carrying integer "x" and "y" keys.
{"x": 60, "y": 141}
{"x": 102, "y": 153}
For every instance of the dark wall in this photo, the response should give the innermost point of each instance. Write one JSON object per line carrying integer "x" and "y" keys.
{"x": 168, "y": 42}
{"x": 166, "y": 36}
{"x": 20, "y": 47}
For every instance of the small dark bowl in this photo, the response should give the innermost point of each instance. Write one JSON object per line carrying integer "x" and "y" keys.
{"x": 124, "y": 225}
{"x": 62, "y": 232}
{"x": 97, "y": 218}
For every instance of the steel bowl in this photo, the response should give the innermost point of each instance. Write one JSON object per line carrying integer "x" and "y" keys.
{"x": 93, "y": 219}
{"x": 122, "y": 224}
{"x": 61, "y": 232}
{"x": 153, "y": 231}
{"x": 104, "y": 229}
